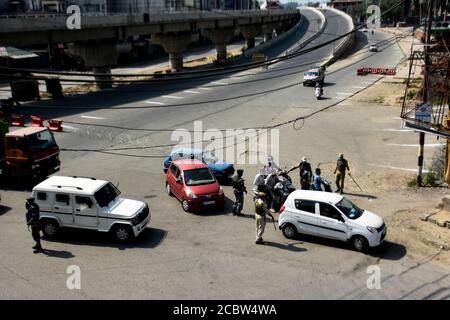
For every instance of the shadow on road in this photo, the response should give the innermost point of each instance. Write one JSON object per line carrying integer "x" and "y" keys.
{"x": 58, "y": 254}
{"x": 387, "y": 250}
{"x": 228, "y": 207}
{"x": 289, "y": 246}
{"x": 4, "y": 209}
{"x": 361, "y": 195}
{"x": 148, "y": 239}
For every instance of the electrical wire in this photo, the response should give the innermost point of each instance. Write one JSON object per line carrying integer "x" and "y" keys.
{"x": 180, "y": 75}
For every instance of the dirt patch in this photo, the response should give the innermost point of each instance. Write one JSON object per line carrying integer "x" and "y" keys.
{"x": 421, "y": 238}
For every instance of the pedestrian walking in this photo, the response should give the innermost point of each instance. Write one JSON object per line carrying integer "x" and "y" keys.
{"x": 341, "y": 167}
{"x": 261, "y": 211}
{"x": 238, "y": 190}
{"x": 32, "y": 217}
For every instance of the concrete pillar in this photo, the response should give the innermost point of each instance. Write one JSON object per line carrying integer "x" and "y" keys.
{"x": 174, "y": 44}
{"x": 250, "y": 31}
{"x": 220, "y": 37}
{"x": 100, "y": 56}
{"x": 268, "y": 31}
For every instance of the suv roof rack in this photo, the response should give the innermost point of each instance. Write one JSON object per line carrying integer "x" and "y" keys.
{"x": 61, "y": 186}
{"x": 84, "y": 177}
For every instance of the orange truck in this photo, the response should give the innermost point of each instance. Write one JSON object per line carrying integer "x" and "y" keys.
{"x": 27, "y": 154}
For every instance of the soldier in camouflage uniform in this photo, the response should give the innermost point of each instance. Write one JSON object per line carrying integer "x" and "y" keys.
{"x": 341, "y": 167}
{"x": 238, "y": 190}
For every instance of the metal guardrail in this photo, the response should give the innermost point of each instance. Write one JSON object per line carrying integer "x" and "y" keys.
{"x": 229, "y": 13}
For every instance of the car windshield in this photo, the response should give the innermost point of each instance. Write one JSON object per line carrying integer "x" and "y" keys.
{"x": 106, "y": 194}
{"x": 198, "y": 176}
{"x": 41, "y": 141}
{"x": 350, "y": 209}
{"x": 311, "y": 74}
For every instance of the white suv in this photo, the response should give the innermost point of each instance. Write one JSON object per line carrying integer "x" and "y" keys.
{"x": 88, "y": 203}
{"x": 330, "y": 215}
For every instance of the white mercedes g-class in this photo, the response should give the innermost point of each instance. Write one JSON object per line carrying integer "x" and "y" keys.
{"x": 88, "y": 203}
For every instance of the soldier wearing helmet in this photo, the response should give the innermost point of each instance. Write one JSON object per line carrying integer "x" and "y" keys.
{"x": 261, "y": 210}
{"x": 341, "y": 167}
{"x": 238, "y": 190}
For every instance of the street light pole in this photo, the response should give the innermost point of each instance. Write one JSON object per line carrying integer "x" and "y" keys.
{"x": 425, "y": 89}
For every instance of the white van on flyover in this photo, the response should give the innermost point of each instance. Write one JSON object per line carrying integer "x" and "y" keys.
{"x": 330, "y": 215}
{"x": 88, "y": 203}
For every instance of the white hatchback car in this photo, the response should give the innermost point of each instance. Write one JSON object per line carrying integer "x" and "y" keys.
{"x": 330, "y": 215}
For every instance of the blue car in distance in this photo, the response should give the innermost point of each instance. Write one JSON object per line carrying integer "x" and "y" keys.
{"x": 222, "y": 170}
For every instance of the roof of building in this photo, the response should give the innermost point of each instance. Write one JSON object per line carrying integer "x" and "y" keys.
{"x": 81, "y": 185}
{"x": 316, "y": 196}
{"x": 188, "y": 164}
{"x": 27, "y": 131}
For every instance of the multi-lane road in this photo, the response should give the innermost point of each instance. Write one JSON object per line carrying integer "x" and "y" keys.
{"x": 213, "y": 255}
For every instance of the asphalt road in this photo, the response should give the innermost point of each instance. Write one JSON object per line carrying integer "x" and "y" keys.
{"x": 213, "y": 255}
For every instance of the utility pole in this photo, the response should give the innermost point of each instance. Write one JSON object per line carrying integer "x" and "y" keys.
{"x": 425, "y": 88}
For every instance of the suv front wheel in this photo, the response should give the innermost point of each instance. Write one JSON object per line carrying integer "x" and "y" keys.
{"x": 123, "y": 233}
{"x": 50, "y": 227}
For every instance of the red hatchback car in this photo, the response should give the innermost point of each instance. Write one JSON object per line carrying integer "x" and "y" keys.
{"x": 191, "y": 182}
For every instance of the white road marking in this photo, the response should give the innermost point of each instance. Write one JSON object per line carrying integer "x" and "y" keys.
{"x": 358, "y": 87}
{"x": 172, "y": 97}
{"x": 219, "y": 83}
{"x": 398, "y": 130}
{"x": 155, "y": 102}
{"x": 69, "y": 127}
{"x": 395, "y": 168}
{"x": 345, "y": 93}
{"x": 191, "y": 91}
{"x": 91, "y": 117}
{"x": 204, "y": 88}
{"x": 428, "y": 145}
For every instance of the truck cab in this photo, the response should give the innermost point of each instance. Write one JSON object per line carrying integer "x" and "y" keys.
{"x": 29, "y": 152}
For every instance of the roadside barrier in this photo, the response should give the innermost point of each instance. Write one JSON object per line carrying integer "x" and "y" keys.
{"x": 55, "y": 125}
{"x": 37, "y": 121}
{"x": 17, "y": 120}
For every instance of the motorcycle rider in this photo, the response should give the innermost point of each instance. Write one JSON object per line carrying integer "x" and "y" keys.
{"x": 319, "y": 86}
{"x": 318, "y": 181}
{"x": 305, "y": 179}
{"x": 270, "y": 166}
{"x": 270, "y": 182}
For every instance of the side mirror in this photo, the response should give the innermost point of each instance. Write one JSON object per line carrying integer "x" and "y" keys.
{"x": 89, "y": 203}
{"x": 179, "y": 180}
